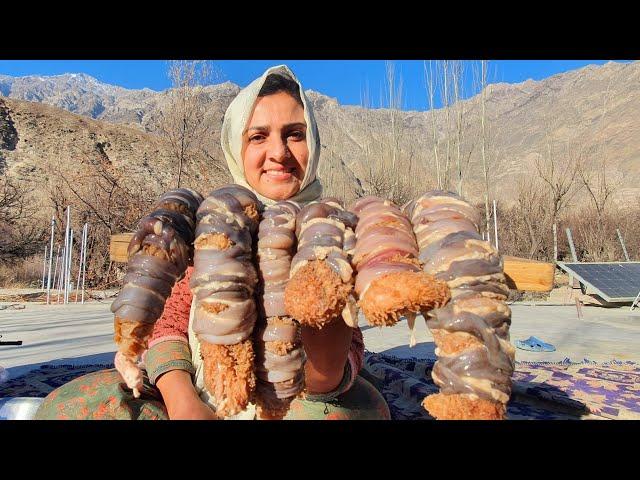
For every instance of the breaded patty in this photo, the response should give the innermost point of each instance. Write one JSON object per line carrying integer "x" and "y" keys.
{"x": 228, "y": 374}
{"x": 316, "y": 295}
{"x": 462, "y": 407}
{"x": 131, "y": 337}
{"x": 396, "y": 294}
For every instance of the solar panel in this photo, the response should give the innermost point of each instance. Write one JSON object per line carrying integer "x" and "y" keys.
{"x": 613, "y": 281}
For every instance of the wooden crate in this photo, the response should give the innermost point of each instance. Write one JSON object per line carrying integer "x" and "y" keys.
{"x": 521, "y": 273}
{"x": 118, "y": 247}
{"x": 528, "y": 275}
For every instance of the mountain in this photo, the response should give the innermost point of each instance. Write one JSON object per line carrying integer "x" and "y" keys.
{"x": 592, "y": 112}
{"x": 85, "y": 95}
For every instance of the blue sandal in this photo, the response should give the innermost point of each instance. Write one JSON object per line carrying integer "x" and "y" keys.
{"x": 534, "y": 344}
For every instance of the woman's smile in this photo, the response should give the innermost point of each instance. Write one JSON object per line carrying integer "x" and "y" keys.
{"x": 279, "y": 174}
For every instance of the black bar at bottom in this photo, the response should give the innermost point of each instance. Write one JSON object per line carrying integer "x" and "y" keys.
{"x": 18, "y": 342}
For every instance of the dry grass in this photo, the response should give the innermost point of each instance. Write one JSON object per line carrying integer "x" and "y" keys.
{"x": 22, "y": 273}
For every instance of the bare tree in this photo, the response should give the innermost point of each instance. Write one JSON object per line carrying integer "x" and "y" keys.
{"x": 365, "y": 103}
{"x": 457, "y": 78}
{"x": 593, "y": 171}
{"x": 431, "y": 81}
{"x": 559, "y": 176}
{"x": 381, "y": 173}
{"x": 598, "y": 185}
{"x": 448, "y": 80}
{"x": 446, "y": 101}
{"x": 483, "y": 134}
{"x": 21, "y": 233}
{"x": 394, "y": 103}
{"x": 533, "y": 211}
{"x": 183, "y": 120}
{"x": 597, "y": 235}
{"x": 13, "y": 201}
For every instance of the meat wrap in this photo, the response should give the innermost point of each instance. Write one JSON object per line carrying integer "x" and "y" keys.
{"x": 159, "y": 253}
{"x": 475, "y": 357}
{"x": 223, "y": 283}
{"x": 280, "y": 357}
{"x": 321, "y": 278}
{"x": 390, "y": 282}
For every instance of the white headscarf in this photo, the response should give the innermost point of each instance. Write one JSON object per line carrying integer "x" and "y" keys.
{"x": 235, "y": 122}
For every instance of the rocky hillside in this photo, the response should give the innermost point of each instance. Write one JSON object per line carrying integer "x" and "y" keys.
{"x": 593, "y": 112}
{"x": 37, "y": 142}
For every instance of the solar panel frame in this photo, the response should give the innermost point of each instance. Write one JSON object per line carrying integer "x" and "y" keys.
{"x": 633, "y": 282}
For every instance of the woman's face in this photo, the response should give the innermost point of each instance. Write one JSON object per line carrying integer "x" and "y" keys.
{"x": 274, "y": 147}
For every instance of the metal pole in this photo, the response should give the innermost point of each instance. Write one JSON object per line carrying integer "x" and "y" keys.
{"x": 633, "y": 304}
{"x": 573, "y": 251}
{"x": 53, "y": 224}
{"x": 573, "y": 248}
{"x": 84, "y": 260}
{"x": 64, "y": 269}
{"x": 63, "y": 259}
{"x": 59, "y": 277}
{"x": 69, "y": 252}
{"x": 69, "y": 283}
{"x": 44, "y": 267}
{"x": 624, "y": 249}
{"x": 579, "y": 302}
{"x": 66, "y": 253}
{"x": 80, "y": 261}
{"x": 575, "y": 283}
{"x": 79, "y": 264}
{"x": 555, "y": 244}
{"x": 495, "y": 223}
{"x": 55, "y": 272}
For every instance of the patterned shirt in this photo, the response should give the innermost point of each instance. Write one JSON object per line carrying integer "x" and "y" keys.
{"x": 173, "y": 326}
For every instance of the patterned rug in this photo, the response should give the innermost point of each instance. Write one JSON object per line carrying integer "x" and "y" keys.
{"x": 542, "y": 390}
{"x": 42, "y": 381}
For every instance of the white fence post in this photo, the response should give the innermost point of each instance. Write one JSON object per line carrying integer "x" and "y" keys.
{"x": 53, "y": 224}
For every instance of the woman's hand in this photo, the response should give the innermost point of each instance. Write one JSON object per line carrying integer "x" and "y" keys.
{"x": 181, "y": 399}
{"x": 327, "y": 350}
{"x": 192, "y": 410}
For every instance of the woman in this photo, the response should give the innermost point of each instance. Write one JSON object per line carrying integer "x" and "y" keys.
{"x": 271, "y": 143}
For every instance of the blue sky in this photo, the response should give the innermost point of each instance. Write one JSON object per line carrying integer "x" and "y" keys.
{"x": 345, "y": 80}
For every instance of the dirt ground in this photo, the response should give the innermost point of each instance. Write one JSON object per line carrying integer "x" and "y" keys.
{"x": 58, "y": 333}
